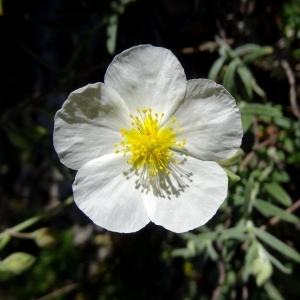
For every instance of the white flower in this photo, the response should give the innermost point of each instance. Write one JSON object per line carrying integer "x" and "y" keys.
{"x": 145, "y": 143}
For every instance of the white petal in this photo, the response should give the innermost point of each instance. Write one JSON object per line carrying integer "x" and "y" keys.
{"x": 88, "y": 124}
{"x": 211, "y": 121}
{"x": 147, "y": 76}
{"x": 108, "y": 197}
{"x": 190, "y": 199}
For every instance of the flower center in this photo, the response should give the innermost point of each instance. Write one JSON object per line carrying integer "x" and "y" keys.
{"x": 149, "y": 143}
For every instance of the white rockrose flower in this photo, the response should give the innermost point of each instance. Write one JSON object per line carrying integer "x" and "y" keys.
{"x": 145, "y": 143}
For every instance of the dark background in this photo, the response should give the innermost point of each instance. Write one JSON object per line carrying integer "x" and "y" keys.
{"x": 50, "y": 48}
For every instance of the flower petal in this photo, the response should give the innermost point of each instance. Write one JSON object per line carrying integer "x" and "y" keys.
{"x": 108, "y": 197}
{"x": 188, "y": 199}
{"x": 88, "y": 124}
{"x": 211, "y": 121}
{"x": 147, "y": 76}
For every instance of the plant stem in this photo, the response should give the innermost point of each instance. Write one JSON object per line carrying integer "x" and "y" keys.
{"x": 29, "y": 222}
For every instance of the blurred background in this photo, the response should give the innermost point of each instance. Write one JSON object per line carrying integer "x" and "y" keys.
{"x": 50, "y": 250}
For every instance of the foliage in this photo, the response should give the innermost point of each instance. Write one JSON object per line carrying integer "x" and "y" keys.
{"x": 260, "y": 195}
{"x": 291, "y": 22}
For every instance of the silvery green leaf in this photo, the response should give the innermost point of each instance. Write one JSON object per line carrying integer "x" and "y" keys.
{"x": 278, "y": 245}
{"x": 216, "y": 67}
{"x": 232, "y": 160}
{"x": 260, "y": 109}
{"x": 247, "y": 78}
{"x": 245, "y": 49}
{"x": 232, "y": 178}
{"x": 228, "y": 80}
{"x": 270, "y": 210}
{"x": 275, "y": 190}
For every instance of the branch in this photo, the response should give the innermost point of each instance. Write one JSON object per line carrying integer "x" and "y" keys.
{"x": 291, "y": 79}
{"x": 290, "y": 209}
{"x": 203, "y": 47}
{"x": 29, "y": 222}
{"x": 218, "y": 290}
{"x": 59, "y": 292}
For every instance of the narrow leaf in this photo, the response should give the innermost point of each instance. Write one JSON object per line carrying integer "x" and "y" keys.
{"x": 232, "y": 178}
{"x": 207, "y": 236}
{"x": 257, "y": 89}
{"x": 216, "y": 67}
{"x": 247, "y": 78}
{"x": 232, "y": 160}
{"x": 278, "y": 193}
{"x": 15, "y": 264}
{"x": 212, "y": 253}
{"x": 278, "y": 264}
{"x": 272, "y": 291}
{"x": 250, "y": 256}
{"x": 4, "y": 240}
{"x": 246, "y": 122}
{"x": 183, "y": 252}
{"x": 233, "y": 233}
{"x": 270, "y": 210}
{"x": 245, "y": 49}
{"x": 257, "y": 54}
{"x": 112, "y": 30}
{"x": 283, "y": 122}
{"x": 260, "y": 109}
{"x": 228, "y": 80}
{"x": 278, "y": 245}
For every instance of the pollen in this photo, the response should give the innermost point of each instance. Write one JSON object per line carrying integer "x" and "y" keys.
{"x": 149, "y": 141}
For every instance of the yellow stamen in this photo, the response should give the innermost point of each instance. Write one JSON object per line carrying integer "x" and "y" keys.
{"x": 149, "y": 143}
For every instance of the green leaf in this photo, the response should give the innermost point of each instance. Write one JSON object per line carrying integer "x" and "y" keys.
{"x": 246, "y": 122}
{"x": 112, "y": 29}
{"x": 188, "y": 236}
{"x": 260, "y": 109}
{"x": 270, "y": 210}
{"x": 183, "y": 252}
{"x": 265, "y": 173}
{"x": 280, "y": 176}
{"x": 278, "y": 264}
{"x": 228, "y": 80}
{"x": 233, "y": 233}
{"x": 272, "y": 291}
{"x": 278, "y": 193}
{"x": 257, "y": 89}
{"x": 224, "y": 48}
{"x": 212, "y": 253}
{"x": 232, "y": 178}
{"x": 245, "y": 49}
{"x": 251, "y": 190}
{"x": 37, "y": 131}
{"x": 15, "y": 264}
{"x": 289, "y": 145}
{"x": 45, "y": 238}
{"x": 4, "y": 240}
{"x": 250, "y": 255}
{"x": 224, "y": 234}
{"x": 283, "y": 122}
{"x": 216, "y": 67}
{"x": 232, "y": 160}
{"x": 293, "y": 158}
{"x": 210, "y": 236}
{"x": 18, "y": 140}
{"x": 247, "y": 78}
{"x": 261, "y": 266}
{"x": 257, "y": 54}
{"x": 278, "y": 245}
